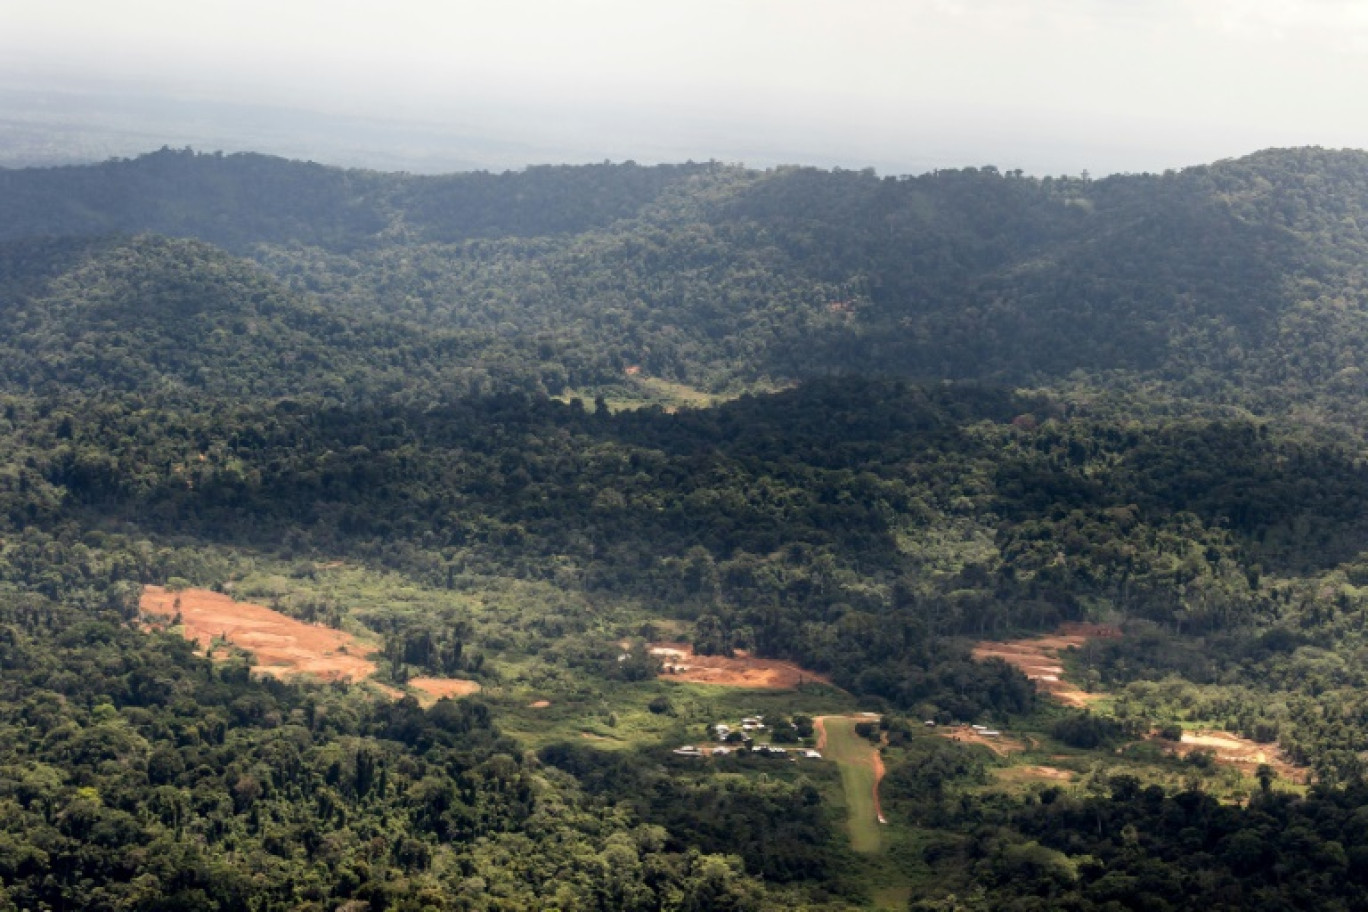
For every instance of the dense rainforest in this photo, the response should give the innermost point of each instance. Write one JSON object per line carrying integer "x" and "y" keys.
{"x": 514, "y": 427}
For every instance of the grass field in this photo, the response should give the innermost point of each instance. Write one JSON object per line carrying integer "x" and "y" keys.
{"x": 856, "y": 758}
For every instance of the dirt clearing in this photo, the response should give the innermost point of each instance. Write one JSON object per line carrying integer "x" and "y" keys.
{"x": 1039, "y": 659}
{"x": 436, "y": 688}
{"x": 1232, "y": 750}
{"x": 964, "y": 734}
{"x": 741, "y": 670}
{"x": 1033, "y": 774}
{"x": 282, "y": 645}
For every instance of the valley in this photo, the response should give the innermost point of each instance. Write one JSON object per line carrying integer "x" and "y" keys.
{"x": 398, "y": 543}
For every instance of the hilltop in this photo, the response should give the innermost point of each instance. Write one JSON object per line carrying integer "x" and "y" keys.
{"x": 1236, "y": 283}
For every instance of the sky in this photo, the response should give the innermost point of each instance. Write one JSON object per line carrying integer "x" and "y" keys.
{"x": 904, "y": 86}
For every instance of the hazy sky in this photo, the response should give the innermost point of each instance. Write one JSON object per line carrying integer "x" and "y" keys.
{"x": 1051, "y": 86}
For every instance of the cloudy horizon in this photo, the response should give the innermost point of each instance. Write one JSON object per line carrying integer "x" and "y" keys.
{"x": 1051, "y": 87}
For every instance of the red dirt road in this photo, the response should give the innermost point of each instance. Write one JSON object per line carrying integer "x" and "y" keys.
{"x": 741, "y": 670}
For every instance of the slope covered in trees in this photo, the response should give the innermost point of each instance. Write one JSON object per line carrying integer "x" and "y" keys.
{"x": 959, "y": 406}
{"x": 1239, "y": 281}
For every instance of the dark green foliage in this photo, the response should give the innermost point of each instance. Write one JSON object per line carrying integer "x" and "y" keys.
{"x": 137, "y": 775}
{"x": 1142, "y": 848}
{"x": 375, "y": 385}
{"x": 778, "y": 827}
{"x": 1087, "y": 731}
{"x": 1235, "y": 282}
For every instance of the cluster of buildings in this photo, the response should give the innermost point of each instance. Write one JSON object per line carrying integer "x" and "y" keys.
{"x": 742, "y": 740}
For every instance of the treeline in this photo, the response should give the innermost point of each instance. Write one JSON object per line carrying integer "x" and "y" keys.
{"x": 242, "y": 200}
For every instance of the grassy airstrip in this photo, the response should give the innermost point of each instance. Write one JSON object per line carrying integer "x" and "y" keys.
{"x": 855, "y": 757}
{"x": 550, "y": 672}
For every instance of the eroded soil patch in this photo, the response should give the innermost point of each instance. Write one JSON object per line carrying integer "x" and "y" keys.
{"x": 1232, "y": 750}
{"x": 964, "y": 734}
{"x": 741, "y": 670}
{"x": 1033, "y": 774}
{"x": 282, "y": 645}
{"x": 436, "y": 688}
{"x": 1039, "y": 659}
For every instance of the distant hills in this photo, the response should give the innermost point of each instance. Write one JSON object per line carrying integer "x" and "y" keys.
{"x": 1239, "y": 282}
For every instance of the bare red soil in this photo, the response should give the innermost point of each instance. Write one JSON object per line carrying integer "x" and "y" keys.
{"x": 1039, "y": 659}
{"x": 1232, "y": 750}
{"x": 741, "y": 670}
{"x": 1034, "y": 774}
{"x": 444, "y": 687}
{"x": 282, "y": 645}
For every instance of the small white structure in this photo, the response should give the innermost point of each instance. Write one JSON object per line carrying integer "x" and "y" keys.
{"x": 812, "y": 754}
{"x": 721, "y": 751}
{"x": 688, "y": 750}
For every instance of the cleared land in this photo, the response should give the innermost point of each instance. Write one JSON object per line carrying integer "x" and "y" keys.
{"x": 740, "y": 670}
{"x": 1039, "y": 659}
{"x": 861, "y": 768}
{"x": 1243, "y": 753}
{"x": 282, "y": 645}
{"x": 1033, "y": 774}
{"x": 436, "y": 688}
{"x": 964, "y": 734}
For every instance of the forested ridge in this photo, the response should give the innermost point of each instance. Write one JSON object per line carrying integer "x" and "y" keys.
{"x": 512, "y": 427}
{"x": 1237, "y": 282}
